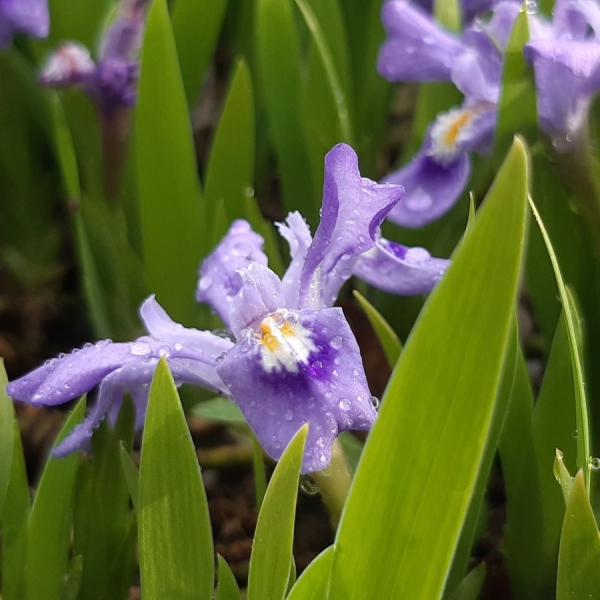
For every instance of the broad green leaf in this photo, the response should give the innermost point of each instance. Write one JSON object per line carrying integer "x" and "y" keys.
{"x": 470, "y": 587}
{"x": 196, "y": 26}
{"x": 448, "y": 13}
{"x": 175, "y": 540}
{"x": 572, "y": 320}
{"x": 132, "y": 475}
{"x": 579, "y": 557}
{"x": 227, "y": 587}
{"x": 562, "y": 475}
{"x": 49, "y": 530}
{"x": 517, "y": 106}
{"x": 272, "y": 545}
{"x": 312, "y": 584}
{"x": 219, "y": 409}
{"x": 391, "y": 344}
{"x": 72, "y": 580}
{"x": 278, "y": 64}
{"x": 7, "y": 435}
{"x": 171, "y": 205}
{"x": 230, "y": 169}
{"x": 436, "y": 420}
{"x": 13, "y": 521}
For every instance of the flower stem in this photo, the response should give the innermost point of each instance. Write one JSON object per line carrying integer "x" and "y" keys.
{"x": 334, "y": 482}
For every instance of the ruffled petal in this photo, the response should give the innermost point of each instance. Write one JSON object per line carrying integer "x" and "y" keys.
{"x": 432, "y": 188}
{"x": 416, "y": 49}
{"x": 219, "y": 278}
{"x": 352, "y": 213}
{"x": 398, "y": 269}
{"x": 261, "y": 293}
{"x": 296, "y": 368}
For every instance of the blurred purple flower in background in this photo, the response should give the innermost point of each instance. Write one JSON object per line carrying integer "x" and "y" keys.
{"x": 566, "y": 59}
{"x": 23, "y": 16}
{"x": 111, "y": 81}
{"x": 469, "y": 8}
{"x": 294, "y": 359}
{"x": 418, "y": 49}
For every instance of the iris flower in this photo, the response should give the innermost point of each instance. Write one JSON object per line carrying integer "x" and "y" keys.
{"x": 111, "y": 81}
{"x": 294, "y": 359}
{"x": 418, "y": 49}
{"x": 566, "y": 61}
{"x": 469, "y": 8}
{"x": 23, "y": 16}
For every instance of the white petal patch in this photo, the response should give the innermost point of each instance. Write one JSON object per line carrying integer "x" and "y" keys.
{"x": 70, "y": 61}
{"x": 448, "y": 132}
{"x": 285, "y": 342}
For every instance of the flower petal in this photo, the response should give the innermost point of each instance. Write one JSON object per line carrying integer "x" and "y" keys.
{"x": 352, "y": 213}
{"x": 23, "y": 16}
{"x": 431, "y": 188}
{"x": 219, "y": 278}
{"x": 307, "y": 371}
{"x": 400, "y": 270}
{"x": 416, "y": 49}
{"x": 261, "y": 293}
{"x": 70, "y": 65}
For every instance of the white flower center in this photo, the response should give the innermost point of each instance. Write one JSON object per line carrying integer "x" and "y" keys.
{"x": 285, "y": 342}
{"x": 448, "y": 132}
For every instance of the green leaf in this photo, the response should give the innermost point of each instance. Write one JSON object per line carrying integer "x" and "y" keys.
{"x": 49, "y": 530}
{"x": 278, "y": 63}
{"x": 196, "y": 27}
{"x": 572, "y": 321}
{"x": 230, "y": 170}
{"x": 579, "y": 557}
{"x": 448, "y": 13}
{"x": 219, "y": 409}
{"x": 7, "y": 435}
{"x": 391, "y": 344}
{"x": 260, "y": 475}
{"x": 171, "y": 205}
{"x": 517, "y": 110}
{"x": 13, "y": 520}
{"x": 175, "y": 540}
{"x": 436, "y": 420}
{"x": 227, "y": 587}
{"x": 470, "y": 587}
{"x": 132, "y": 475}
{"x": 312, "y": 584}
{"x": 562, "y": 475}
{"x": 272, "y": 545}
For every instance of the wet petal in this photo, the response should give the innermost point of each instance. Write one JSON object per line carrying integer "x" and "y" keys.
{"x": 296, "y": 232}
{"x": 400, "y": 270}
{"x": 219, "y": 280}
{"x": 352, "y": 213}
{"x": 295, "y": 368}
{"x": 432, "y": 188}
{"x": 416, "y": 48}
{"x": 261, "y": 293}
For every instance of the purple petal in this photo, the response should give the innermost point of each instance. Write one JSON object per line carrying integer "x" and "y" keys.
{"x": 70, "y": 65}
{"x": 23, "y": 16}
{"x": 123, "y": 38}
{"x": 114, "y": 84}
{"x": 352, "y": 213}
{"x": 296, "y": 232}
{"x": 400, "y": 270}
{"x": 432, "y": 188}
{"x": 571, "y": 19}
{"x": 219, "y": 280}
{"x": 417, "y": 49}
{"x": 261, "y": 293}
{"x": 296, "y": 368}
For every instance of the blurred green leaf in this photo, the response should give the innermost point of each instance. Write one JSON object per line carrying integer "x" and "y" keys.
{"x": 572, "y": 320}
{"x": 437, "y": 421}
{"x": 312, "y": 583}
{"x": 196, "y": 27}
{"x": 219, "y": 409}
{"x": 470, "y": 587}
{"x": 278, "y": 64}
{"x": 272, "y": 545}
{"x": 579, "y": 558}
{"x": 227, "y": 587}
{"x": 7, "y": 435}
{"x": 175, "y": 539}
{"x": 132, "y": 475}
{"x": 13, "y": 520}
{"x": 173, "y": 223}
{"x": 49, "y": 530}
{"x": 448, "y": 13}
{"x": 266, "y": 229}
{"x": 391, "y": 344}
{"x": 230, "y": 170}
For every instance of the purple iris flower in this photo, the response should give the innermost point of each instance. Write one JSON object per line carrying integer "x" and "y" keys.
{"x": 418, "y": 49}
{"x": 111, "y": 81}
{"x": 566, "y": 59}
{"x": 23, "y": 16}
{"x": 294, "y": 359}
{"x": 469, "y": 8}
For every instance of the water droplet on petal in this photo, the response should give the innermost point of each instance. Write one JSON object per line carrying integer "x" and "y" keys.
{"x": 418, "y": 200}
{"x": 337, "y": 360}
{"x": 336, "y": 342}
{"x": 344, "y": 404}
{"x": 289, "y": 415}
{"x": 375, "y": 402}
{"x": 140, "y": 348}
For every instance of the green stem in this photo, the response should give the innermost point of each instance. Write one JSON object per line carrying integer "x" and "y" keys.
{"x": 334, "y": 482}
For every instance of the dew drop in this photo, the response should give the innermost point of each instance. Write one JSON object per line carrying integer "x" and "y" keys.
{"x": 205, "y": 283}
{"x": 336, "y": 342}
{"x": 574, "y": 433}
{"x": 178, "y": 347}
{"x": 88, "y": 345}
{"x": 355, "y": 372}
{"x": 344, "y": 404}
{"x": 140, "y": 349}
{"x": 308, "y": 487}
{"x": 165, "y": 351}
{"x": 337, "y": 360}
{"x": 323, "y": 459}
{"x": 289, "y": 415}
{"x": 375, "y": 402}
{"x": 595, "y": 463}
